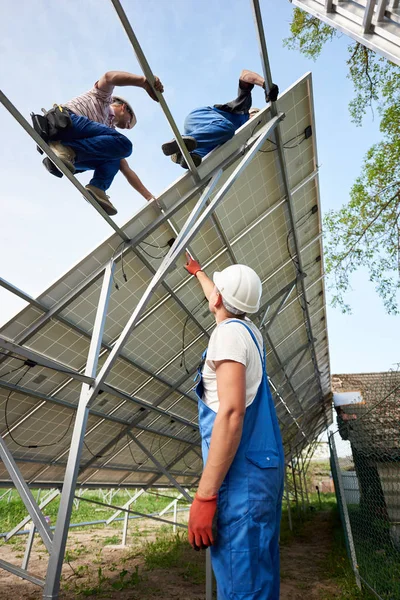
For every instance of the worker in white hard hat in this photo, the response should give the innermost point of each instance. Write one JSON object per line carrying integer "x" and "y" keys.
{"x": 92, "y": 142}
{"x": 207, "y": 127}
{"x": 237, "y": 506}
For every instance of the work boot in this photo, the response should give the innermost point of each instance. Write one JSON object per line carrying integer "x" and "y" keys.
{"x": 172, "y": 147}
{"x": 179, "y": 159}
{"x": 101, "y": 197}
{"x": 65, "y": 154}
{"x": 195, "y": 157}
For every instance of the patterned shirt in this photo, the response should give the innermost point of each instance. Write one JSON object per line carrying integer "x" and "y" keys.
{"x": 95, "y": 105}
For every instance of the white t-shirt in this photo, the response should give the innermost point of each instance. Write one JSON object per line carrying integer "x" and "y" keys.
{"x": 232, "y": 341}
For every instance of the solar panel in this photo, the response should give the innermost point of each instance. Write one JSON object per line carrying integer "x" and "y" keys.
{"x": 149, "y": 390}
{"x": 373, "y": 23}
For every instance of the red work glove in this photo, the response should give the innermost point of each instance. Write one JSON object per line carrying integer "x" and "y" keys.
{"x": 200, "y": 527}
{"x": 192, "y": 266}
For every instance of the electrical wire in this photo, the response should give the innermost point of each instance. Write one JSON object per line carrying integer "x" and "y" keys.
{"x": 9, "y": 428}
{"x": 105, "y": 456}
{"x": 285, "y": 144}
{"x": 151, "y": 255}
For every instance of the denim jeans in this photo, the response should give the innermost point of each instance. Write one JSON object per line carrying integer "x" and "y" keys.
{"x": 212, "y": 127}
{"x": 97, "y": 147}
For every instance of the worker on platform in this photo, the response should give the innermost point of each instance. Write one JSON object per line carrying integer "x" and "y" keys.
{"x": 207, "y": 127}
{"x": 92, "y": 142}
{"x": 237, "y": 507}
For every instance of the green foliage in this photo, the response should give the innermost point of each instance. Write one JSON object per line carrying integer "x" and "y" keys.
{"x": 165, "y": 552}
{"x": 364, "y": 232}
{"x": 309, "y": 34}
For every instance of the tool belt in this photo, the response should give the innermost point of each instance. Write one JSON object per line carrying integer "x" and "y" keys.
{"x": 51, "y": 123}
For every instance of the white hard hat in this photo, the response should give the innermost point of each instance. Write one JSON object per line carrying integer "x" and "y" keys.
{"x": 240, "y": 286}
{"x": 133, "y": 120}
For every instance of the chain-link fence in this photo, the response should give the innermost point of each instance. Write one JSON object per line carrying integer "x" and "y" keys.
{"x": 365, "y": 463}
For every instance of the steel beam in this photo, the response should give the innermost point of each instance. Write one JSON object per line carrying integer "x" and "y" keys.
{"x": 28, "y": 518}
{"x": 368, "y": 14}
{"x": 59, "y": 164}
{"x": 106, "y": 417}
{"x": 127, "y": 505}
{"x": 21, "y": 573}
{"x": 42, "y": 360}
{"x": 176, "y": 250}
{"x": 346, "y": 24}
{"x": 150, "y": 78}
{"x": 26, "y": 496}
{"x": 160, "y": 467}
{"x": 381, "y": 9}
{"x": 284, "y": 173}
{"x": 52, "y": 585}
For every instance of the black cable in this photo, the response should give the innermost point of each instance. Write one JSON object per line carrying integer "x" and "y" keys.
{"x": 155, "y": 245}
{"x": 8, "y": 355}
{"x": 285, "y": 144}
{"x": 12, "y": 370}
{"x": 105, "y": 455}
{"x": 151, "y": 255}
{"x": 8, "y": 426}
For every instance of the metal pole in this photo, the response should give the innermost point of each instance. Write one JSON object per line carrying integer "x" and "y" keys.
{"x": 175, "y": 515}
{"x": 59, "y": 164}
{"x": 125, "y": 529}
{"x": 26, "y": 495}
{"x": 288, "y": 501}
{"x": 52, "y": 585}
{"x": 28, "y": 549}
{"x": 150, "y": 77}
{"x": 209, "y": 576}
{"x": 345, "y": 512}
{"x": 285, "y": 177}
{"x": 161, "y": 467}
{"x": 169, "y": 261}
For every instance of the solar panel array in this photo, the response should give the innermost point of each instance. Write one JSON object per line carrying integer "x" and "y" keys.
{"x": 152, "y": 399}
{"x": 373, "y": 23}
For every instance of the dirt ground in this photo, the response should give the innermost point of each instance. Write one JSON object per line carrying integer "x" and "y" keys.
{"x": 99, "y": 568}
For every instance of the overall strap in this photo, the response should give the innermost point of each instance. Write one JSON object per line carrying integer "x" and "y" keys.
{"x": 262, "y": 355}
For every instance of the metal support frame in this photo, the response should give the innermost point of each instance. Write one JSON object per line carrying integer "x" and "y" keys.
{"x": 56, "y": 559}
{"x": 289, "y": 509}
{"x": 161, "y": 467}
{"x": 368, "y": 14}
{"x": 376, "y": 29}
{"x": 59, "y": 164}
{"x": 281, "y": 157}
{"x": 150, "y": 77}
{"x": 21, "y": 525}
{"x": 345, "y": 512}
{"x": 209, "y": 576}
{"x": 26, "y": 496}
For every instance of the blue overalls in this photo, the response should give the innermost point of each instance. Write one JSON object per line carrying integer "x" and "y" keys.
{"x": 245, "y": 558}
{"x": 212, "y": 127}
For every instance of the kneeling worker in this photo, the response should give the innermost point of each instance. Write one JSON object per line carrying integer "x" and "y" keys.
{"x": 242, "y": 482}
{"x": 210, "y": 126}
{"x": 92, "y": 141}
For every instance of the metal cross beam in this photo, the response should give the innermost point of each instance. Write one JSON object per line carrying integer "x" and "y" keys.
{"x": 57, "y": 552}
{"x": 285, "y": 176}
{"x": 150, "y": 77}
{"x": 59, "y": 164}
{"x": 178, "y": 247}
{"x": 160, "y": 467}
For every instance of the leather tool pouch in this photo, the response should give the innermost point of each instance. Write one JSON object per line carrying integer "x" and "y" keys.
{"x": 51, "y": 124}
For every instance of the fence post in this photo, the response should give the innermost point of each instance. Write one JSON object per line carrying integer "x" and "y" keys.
{"x": 289, "y": 510}
{"x": 345, "y": 513}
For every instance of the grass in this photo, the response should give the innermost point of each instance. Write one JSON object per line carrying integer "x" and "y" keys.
{"x": 338, "y": 569}
{"x": 13, "y": 511}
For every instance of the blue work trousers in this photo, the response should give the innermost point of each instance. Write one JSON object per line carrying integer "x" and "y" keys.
{"x": 97, "y": 147}
{"x": 212, "y": 127}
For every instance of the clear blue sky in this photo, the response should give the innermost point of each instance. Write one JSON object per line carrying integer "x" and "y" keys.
{"x": 52, "y": 51}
